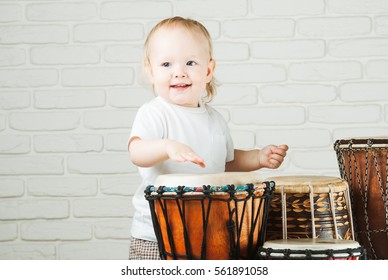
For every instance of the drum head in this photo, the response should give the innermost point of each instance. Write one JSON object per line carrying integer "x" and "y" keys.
{"x": 311, "y": 244}
{"x": 199, "y": 180}
{"x": 302, "y": 184}
{"x": 362, "y": 143}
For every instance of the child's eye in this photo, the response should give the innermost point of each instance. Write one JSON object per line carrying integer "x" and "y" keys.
{"x": 191, "y": 63}
{"x": 166, "y": 64}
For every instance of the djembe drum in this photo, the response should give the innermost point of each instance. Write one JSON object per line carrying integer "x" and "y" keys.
{"x": 311, "y": 249}
{"x": 363, "y": 162}
{"x": 213, "y": 216}
{"x": 310, "y": 207}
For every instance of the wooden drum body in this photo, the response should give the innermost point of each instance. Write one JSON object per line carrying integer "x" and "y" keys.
{"x": 214, "y": 216}
{"x": 363, "y": 163}
{"x": 310, "y": 207}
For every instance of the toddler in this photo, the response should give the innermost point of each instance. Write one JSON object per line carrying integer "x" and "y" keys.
{"x": 178, "y": 132}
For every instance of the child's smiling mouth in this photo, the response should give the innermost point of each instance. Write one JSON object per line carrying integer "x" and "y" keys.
{"x": 180, "y": 86}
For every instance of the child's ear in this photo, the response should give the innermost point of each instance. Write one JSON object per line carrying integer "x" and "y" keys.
{"x": 210, "y": 70}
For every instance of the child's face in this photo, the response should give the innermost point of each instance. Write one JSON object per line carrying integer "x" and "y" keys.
{"x": 180, "y": 65}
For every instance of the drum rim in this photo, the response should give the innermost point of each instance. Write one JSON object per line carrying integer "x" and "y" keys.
{"x": 362, "y": 142}
{"x": 304, "y": 182}
{"x": 313, "y": 244}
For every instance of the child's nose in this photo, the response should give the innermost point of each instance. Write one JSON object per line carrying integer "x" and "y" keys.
{"x": 180, "y": 72}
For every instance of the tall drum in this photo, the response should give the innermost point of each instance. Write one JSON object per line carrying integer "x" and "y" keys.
{"x": 363, "y": 162}
{"x": 213, "y": 216}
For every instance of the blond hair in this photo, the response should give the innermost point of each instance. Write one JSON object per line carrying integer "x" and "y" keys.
{"x": 190, "y": 25}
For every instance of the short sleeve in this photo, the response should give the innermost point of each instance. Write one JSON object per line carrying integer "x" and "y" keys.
{"x": 148, "y": 124}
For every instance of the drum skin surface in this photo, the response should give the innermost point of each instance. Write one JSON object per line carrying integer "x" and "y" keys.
{"x": 363, "y": 163}
{"x": 302, "y": 207}
{"x": 311, "y": 249}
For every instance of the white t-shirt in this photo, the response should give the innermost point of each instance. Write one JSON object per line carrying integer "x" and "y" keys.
{"x": 203, "y": 129}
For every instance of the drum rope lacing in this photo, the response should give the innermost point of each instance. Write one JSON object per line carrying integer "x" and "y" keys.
{"x": 156, "y": 195}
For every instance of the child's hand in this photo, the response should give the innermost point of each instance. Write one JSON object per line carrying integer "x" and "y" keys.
{"x": 179, "y": 152}
{"x": 272, "y": 156}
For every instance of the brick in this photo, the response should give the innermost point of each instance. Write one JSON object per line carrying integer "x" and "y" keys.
{"x": 291, "y": 8}
{"x": 27, "y": 78}
{"x": 31, "y": 165}
{"x": 34, "y": 34}
{"x": 214, "y": 9}
{"x": 14, "y": 100}
{"x": 381, "y": 25}
{"x": 102, "y": 207}
{"x": 298, "y": 93}
{"x": 359, "y": 132}
{"x": 325, "y": 71}
{"x": 295, "y": 138}
{"x": 377, "y": 69}
{"x": 98, "y": 76}
{"x": 2, "y": 122}
{"x": 123, "y": 53}
{"x": 357, "y": 6}
{"x": 10, "y": 13}
{"x": 268, "y": 115}
{"x": 59, "y": 55}
{"x": 295, "y": 49}
{"x": 235, "y": 95}
{"x": 14, "y": 144}
{"x": 243, "y": 139}
{"x": 364, "y": 92}
{"x": 334, "y": 26}
{"x": 113, "y": 229}
{"x": 386, "y": 113}
{"x": 61, "y": 11}
{"x": 51, "y": 231}
{"x": 229, "y": 51}
{"x": 120, "y": 185}
{"x": 65, "y": 187}
{"x": 213, "y": 27}
{"x": 140, "y": 10}
{"x": 117, "y": 142}
{"x": 358, "y": 47}
{"x": 100, "y": 164}
{"x": 259, "y": 28}
{"x": 94, "y": 250}
{"x": 69, "y": 98}
{"x": 109, "y": 119}
{"x": 100, "y": 32}
{"x": 12, "y": 56}
{"x": 342, "y": 114}
{"x": 46, "y": 121}
{"x": 8, "y": 231}
{"x": 33, "y": 209}
{"x": 129, "y": 97}
{"x": 253, "y": 73}
{"x": 315, "y": 159}
{"x": 11, "y": 187}
{"x": 72, "y": 143}
{"x": 24, "y": 251}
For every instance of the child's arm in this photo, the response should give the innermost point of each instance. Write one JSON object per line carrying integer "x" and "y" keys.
{"x": 270, "y": 156}
{"x": 147, "y": 153}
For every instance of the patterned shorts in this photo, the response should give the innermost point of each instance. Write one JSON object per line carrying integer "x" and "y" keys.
{"x": 143, "y": 250}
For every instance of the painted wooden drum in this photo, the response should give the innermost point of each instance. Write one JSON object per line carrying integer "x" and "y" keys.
{"x": 311, "y": 249}
{"x": 212, "y": 216}
{"x": 310, "y": 207}
{"x": 363, "y": 163}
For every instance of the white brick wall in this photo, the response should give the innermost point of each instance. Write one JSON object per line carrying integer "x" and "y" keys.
{"x": 303, "y": 72}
